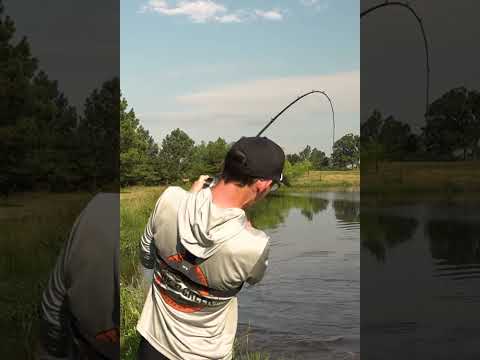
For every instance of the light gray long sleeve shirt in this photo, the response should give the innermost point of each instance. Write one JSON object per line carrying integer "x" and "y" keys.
{"x": 202, "y": 255}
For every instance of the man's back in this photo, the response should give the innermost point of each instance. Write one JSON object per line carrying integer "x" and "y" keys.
{"x": 202, "y": 255}
{"x": 80, "y": 309}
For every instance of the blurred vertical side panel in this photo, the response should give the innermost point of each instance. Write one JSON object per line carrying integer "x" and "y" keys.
{"x": 59, "y": 179}
{"x": 420, "y": 180}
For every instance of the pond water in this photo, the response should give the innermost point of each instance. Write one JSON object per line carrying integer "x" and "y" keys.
{"x": 420, "y": 279}
{"x": 308, "y": 304}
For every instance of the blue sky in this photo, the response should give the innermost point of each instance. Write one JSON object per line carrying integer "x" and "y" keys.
{"x": 224, "y": 68}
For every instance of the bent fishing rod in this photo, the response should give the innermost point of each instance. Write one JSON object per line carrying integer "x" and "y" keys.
{"x": 211, "y": 180}
{"x": 407, "y": 6}
{"x": 298, "y": 99}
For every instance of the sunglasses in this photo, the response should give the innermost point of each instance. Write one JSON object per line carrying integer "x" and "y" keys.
{"x": 275, "y": 186}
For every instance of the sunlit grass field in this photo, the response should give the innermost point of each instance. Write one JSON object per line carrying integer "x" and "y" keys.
{"x": 326, "y": 180}
{"x": 421, "y": 176}
{"x": 136, "y": 206}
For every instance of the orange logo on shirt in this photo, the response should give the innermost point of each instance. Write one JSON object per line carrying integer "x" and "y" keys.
{"x": 111, "y": 336}
{"x": 195, "y": 273}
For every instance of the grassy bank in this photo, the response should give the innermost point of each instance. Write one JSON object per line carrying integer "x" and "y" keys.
{"x": 326, "y": 180}
{"x": 402, "y": 177}
{"x": 34, "y": 227}
{"x": 136, "y": 205}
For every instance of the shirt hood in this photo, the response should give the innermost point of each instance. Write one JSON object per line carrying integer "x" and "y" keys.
{"x": 204, "y": 227}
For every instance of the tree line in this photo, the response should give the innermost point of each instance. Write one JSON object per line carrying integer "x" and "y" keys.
{"x": 45, "y": 143}
{"x": 451, "y": 132}
{"x": 143, "y": 161}
{"x": 346, "y": 154}
{"x": 178, "y": 158}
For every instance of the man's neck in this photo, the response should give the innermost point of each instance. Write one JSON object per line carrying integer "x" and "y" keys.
{"x": 230, "y": 195}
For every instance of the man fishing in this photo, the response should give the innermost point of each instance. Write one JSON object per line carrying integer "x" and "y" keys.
{"x": 202, "y": 249}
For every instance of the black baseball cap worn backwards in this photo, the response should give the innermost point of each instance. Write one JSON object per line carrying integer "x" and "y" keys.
{"x": 258, "y": 157}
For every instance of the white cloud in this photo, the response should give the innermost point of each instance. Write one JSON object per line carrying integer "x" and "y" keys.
{"x": 198, "y": 11}
{"x": 264, "y": 96}
{"x": 203, "y": 11}
{"x": 230, "y": 18}
{"x": 316, "y": 4}
{"x": 269, "y": 15}
{"x": 244, "y": 108}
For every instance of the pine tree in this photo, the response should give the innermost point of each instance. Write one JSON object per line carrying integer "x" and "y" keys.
{"x": 138, "y": 151}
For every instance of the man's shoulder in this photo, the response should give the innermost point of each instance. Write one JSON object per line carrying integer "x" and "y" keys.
{"x": 102, "y": 202}
{"x": 100, "y": 215}
{"x": 171, "y": 196}
{"x": 173, "y": 193}
{"x": 252, "y": 240}
{"x": 257, "y": 234}
{"x": 175, "y": 190}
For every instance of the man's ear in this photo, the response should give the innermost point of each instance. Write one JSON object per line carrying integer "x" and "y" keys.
{"x": 263, "y": 185}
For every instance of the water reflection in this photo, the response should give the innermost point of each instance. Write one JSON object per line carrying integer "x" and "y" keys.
{"x": 456, "y": 246}
{"x": 453, "y": 243}
{"x": 379, "y": 232}
{"x": 346, "y": 210}
{"x": 420, "y": 275}
{"x": 308, "y": 305}
{"x": 271, "y": 212}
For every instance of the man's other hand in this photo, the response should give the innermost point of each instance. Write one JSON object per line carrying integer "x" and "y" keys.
{"x": 198, "y": 184}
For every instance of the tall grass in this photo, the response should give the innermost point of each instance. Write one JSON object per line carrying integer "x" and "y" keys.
{"x": 136, "y": 206}
{"x": 34, "y": 227}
